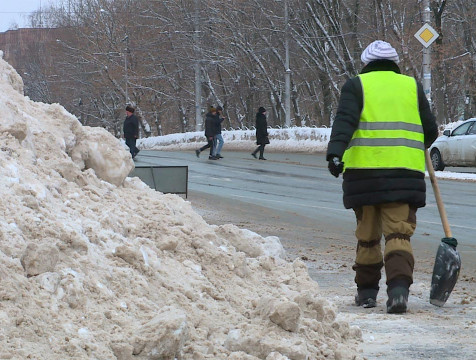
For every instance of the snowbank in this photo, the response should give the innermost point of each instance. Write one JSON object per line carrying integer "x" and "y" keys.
{"x": 95, "y": 265}
{"x": 295, "y": 139}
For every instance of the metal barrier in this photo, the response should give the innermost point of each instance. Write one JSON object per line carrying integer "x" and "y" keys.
{"x": 166, "y": 179}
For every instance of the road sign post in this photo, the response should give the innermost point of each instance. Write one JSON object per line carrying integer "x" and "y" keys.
{"x": 426, "y": 36}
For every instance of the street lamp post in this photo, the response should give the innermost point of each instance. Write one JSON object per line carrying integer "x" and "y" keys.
{"x": 287, "y": 74}
{"x": 198, "y": 85}
{"x": 126, "y": 51}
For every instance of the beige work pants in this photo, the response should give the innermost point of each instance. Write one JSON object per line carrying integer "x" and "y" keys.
{"x": 397, "y": 223}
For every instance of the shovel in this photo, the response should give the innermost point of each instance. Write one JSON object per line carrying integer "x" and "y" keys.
{"x": 447, "y": 262}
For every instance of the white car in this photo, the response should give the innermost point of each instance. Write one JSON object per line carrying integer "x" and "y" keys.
{"x": 455, "y": 147}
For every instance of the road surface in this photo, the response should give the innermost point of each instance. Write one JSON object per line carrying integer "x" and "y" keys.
{"x": 292, "y": 196}
{"x": 301, "y": 189}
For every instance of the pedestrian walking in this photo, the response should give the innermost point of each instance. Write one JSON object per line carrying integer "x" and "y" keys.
{"x": 131, "y": 130}
{"x": 382, "y": 128}
{"x": 210, "y": 128}
{"x": 218, "y": 141}
{"x": 262, "y": 138}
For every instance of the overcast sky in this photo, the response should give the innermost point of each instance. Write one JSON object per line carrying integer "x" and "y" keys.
{"x": 17, "y": 11}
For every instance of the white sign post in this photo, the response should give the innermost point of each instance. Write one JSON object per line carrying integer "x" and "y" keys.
{"x": 426, "y": 36}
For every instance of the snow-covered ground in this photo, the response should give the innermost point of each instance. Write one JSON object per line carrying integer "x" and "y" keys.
{"x": 94, "y": 265}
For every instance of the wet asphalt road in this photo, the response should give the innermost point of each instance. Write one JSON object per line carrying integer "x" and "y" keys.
{"x": 300, "y": 185}
{"x": 293, "y": 197}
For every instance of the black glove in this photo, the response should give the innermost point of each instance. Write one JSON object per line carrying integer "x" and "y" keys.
{"x": 335, "y": 166}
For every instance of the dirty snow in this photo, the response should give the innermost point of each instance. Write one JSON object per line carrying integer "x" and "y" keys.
{"x": 95, "y": 265}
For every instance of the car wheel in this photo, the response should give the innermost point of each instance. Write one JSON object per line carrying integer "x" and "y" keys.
{"x": 436, "y": 160}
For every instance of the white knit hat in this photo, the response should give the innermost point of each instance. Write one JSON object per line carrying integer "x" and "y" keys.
{"x": 379, "y": 50}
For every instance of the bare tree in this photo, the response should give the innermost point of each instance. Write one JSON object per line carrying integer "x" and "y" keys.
{"x": 110, "y": 52}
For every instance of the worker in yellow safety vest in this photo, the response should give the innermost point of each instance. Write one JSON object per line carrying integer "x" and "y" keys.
{"x": 382, "y": 127}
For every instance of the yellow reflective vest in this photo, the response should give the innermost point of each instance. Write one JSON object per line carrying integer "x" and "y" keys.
{"x": 390, "y": 133}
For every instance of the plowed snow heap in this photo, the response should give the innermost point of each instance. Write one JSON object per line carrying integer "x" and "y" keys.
{"x": 95, "y": 265}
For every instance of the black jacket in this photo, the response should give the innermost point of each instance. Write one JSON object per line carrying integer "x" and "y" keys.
{"x": 219, "y": 120}
{"x": 261, "y": 129}
{"x": 376, "y": 186}
{"x": 131, "y": 127}
{"x": 210, "y": 125}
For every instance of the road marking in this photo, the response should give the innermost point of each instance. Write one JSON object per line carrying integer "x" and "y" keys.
{"x": 451, "y": 225}
{"x": 289, "y": 203}
{"x": 341, "y": 210}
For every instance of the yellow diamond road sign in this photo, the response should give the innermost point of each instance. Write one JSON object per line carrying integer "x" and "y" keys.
{"x": 426, "y": 35}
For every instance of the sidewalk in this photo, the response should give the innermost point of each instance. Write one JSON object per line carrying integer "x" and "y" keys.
{"x": 424, "y": 332}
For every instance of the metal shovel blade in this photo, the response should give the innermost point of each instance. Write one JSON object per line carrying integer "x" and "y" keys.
{"x": 445, "y": 271}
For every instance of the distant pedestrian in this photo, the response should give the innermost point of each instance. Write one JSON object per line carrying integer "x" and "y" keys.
{"x": 261, "y": 133}
{"x": 131, "y": 130}
{"x": 218, "y": 137}
{"x": 210, "y": 129}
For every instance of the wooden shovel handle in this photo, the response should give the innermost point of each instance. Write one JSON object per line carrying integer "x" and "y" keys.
{"x": 436, "y": 191}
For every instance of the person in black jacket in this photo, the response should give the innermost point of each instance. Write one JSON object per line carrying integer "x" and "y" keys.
{"x": 218, "y": 141}
{"x": 210, "y": 131}
{"x": 131, "y": 130}
{"x": 261, "y": 133}
{"x": 382, "y": 128}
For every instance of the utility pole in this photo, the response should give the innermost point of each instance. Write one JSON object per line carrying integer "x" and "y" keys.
{"x": 69, "y": 12}
{"x": 198, "y": 85}
{"x": 427, "y": 54}
{"x": 287, "y": 74}
{"x": 41, "y": 17}
{"x": 426, "y": 36}
{"x": 126, "y": 39}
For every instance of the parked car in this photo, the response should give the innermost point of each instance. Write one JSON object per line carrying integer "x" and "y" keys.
{"x": 455, "y": 147}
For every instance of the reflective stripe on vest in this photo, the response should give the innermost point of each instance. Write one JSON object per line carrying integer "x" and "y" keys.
{"x": 390, "y": 134}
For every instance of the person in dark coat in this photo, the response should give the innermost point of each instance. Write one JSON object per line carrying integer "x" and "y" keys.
{"x": 210, "y": 131}
{"x": 218, "y": 141}
{"x": 261, "y": 133}
{"x": 131, "y": 130}
{"x": 381, "y": 131}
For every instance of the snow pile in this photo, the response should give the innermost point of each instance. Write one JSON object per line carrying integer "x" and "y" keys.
{"x": 296, "y": 139}
{"x": 95, "y": 265}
